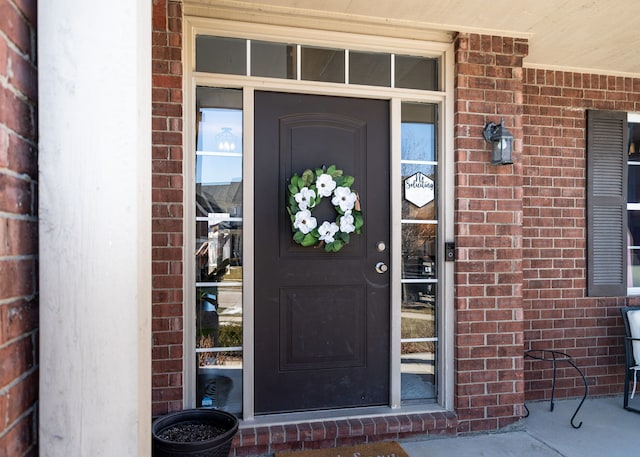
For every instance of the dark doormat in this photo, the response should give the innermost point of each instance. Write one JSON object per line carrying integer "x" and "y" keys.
{"x": 381, "y": 449}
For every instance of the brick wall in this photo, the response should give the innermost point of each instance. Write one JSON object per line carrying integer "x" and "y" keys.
{"x": 167, "y": 200}
{"x": 557, "y": 313}
{"x": 18, "y": 230}
{"x": 488, "y": 230}
{"x": 520, "y": 234}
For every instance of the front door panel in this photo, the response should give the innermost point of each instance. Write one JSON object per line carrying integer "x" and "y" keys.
{"x": 321, "y": 319}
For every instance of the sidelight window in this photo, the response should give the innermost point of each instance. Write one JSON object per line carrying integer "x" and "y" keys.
{"x": 219, "y": 239}
{"x": 419, "y": 167}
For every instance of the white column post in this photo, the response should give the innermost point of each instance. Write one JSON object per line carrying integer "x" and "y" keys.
{"x": 94, "y": 76}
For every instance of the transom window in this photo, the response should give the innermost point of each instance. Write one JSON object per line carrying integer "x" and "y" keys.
{"x": 236, "y": 56}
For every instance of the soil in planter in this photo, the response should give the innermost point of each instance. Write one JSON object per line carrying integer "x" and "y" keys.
{"x": 187, "y": 433}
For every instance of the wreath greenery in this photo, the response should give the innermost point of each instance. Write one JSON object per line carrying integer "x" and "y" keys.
{"x": 305, "y": 193}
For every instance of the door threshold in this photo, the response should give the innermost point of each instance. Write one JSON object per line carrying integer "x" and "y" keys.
{"x": 340, "y": 414}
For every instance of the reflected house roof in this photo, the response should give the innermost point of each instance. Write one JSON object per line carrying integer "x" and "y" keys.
{"x": 218, "y": 198}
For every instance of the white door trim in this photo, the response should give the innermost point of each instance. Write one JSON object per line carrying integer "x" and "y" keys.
{"x": 444, "y": 99}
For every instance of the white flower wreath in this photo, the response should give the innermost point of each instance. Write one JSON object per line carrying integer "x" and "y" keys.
{"x": 306, "y": 191}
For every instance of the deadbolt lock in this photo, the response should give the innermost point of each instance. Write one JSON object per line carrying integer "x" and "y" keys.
{"x": 381, "y": 267}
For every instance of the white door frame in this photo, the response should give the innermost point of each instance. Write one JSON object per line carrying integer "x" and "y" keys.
{"x": 249, "y": 84}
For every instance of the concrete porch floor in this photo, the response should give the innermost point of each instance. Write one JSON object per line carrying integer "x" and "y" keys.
{"x": 608, "y": 430}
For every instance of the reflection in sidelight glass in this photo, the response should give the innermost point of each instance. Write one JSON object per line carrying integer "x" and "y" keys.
{"x": 219, "y": 248}
{"x": 420, "y": 298}
{"x": 418, "y": 342}
{"x": 418, "y": 375}
{"x": 419, "y": 251}
{"x": 418, "y": 130}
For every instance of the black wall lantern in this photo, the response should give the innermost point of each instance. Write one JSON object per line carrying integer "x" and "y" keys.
{"x": 501, "y": 142}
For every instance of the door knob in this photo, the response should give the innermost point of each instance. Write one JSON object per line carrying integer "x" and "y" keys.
{"x": 381, "y": 267}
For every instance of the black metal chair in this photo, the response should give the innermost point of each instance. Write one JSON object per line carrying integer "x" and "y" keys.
{"x": 631, "y": 318}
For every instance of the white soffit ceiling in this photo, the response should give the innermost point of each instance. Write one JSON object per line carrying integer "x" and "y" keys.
{"x": 601, "y": 36}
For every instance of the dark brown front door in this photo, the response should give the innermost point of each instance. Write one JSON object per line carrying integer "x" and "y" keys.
{"x": 321, "y": 319}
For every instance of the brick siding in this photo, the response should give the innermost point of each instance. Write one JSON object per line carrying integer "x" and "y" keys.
{"x": 557, "y": 313}
{"x": 266, "y": 440}
{"x": 18, "y": 230}
{"x": 167, "y": 211}
{"x": 488, "y": 232}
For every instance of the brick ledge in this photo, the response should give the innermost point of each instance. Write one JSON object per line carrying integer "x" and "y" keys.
{"x": 265, "y": 440}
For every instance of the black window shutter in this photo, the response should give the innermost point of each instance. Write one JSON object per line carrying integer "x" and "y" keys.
{"x": 607, "y": 139}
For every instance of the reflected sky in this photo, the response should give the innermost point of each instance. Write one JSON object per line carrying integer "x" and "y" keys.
{"x": 219, "y": 132}
{"x": 418, "y": 141}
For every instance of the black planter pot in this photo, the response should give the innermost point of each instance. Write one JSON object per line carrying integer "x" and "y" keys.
{"x": 219, "y": 446}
